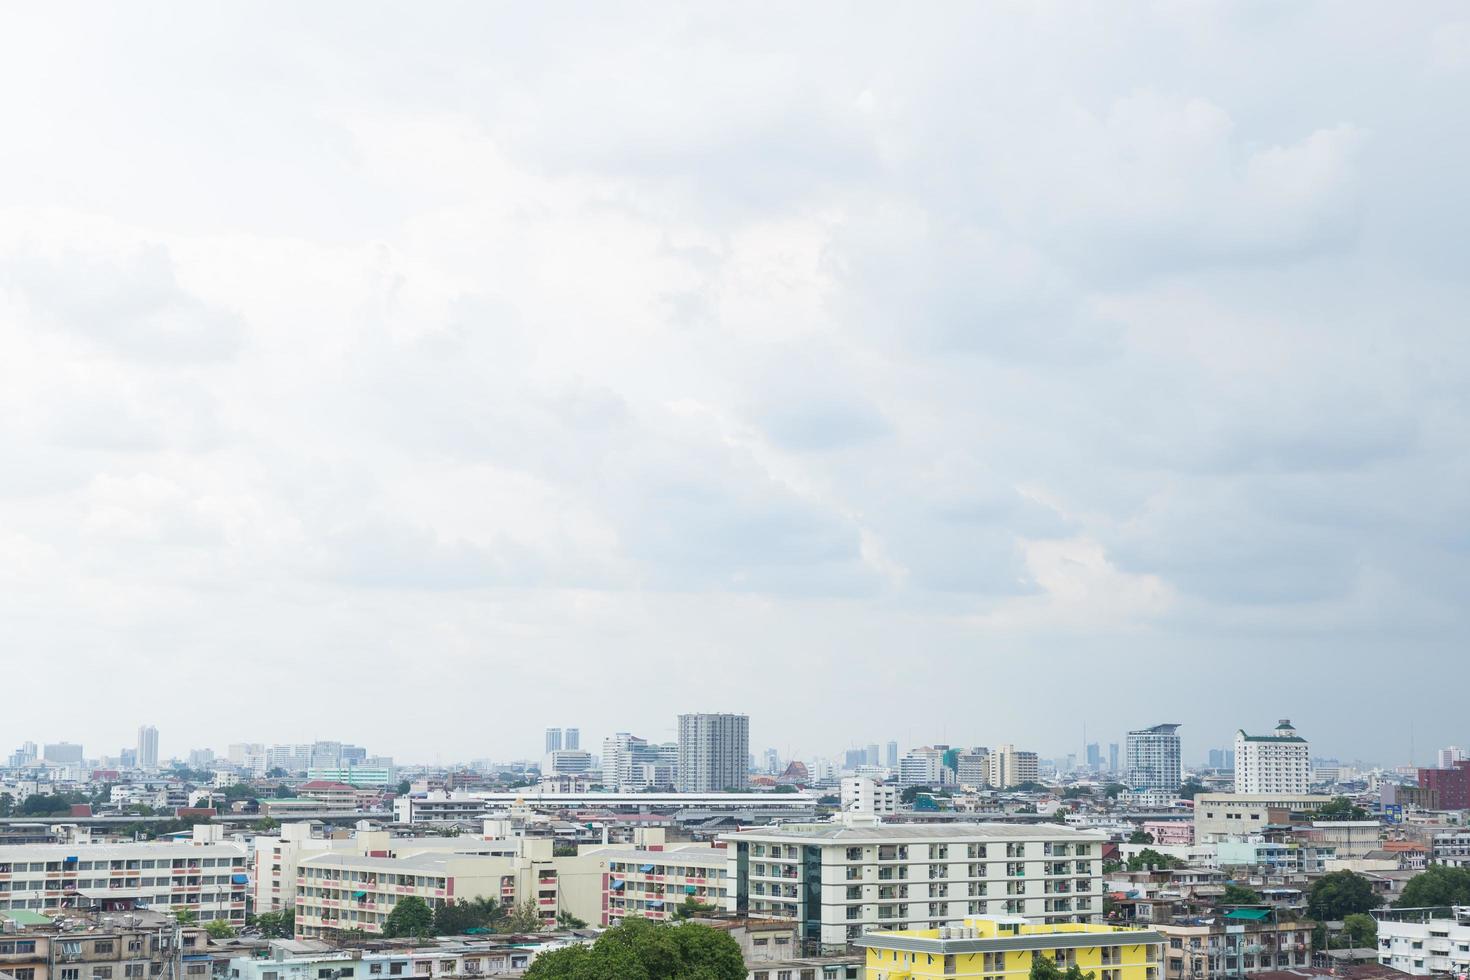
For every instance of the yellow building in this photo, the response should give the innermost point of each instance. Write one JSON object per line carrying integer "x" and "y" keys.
{"x": 1003, "y": 948}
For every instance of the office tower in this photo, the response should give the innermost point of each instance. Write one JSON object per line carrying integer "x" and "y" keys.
{"x": 1094, "y": 756}
{"x": 924, "y": 767}
{"x": 148, "y": 748}
{"x": 353, "y": 755}
{"x": 1006, "y": 767}
{"x": 970, "y": 767}
{"x": 714, "y": 750}
{"x": 854, "y": 759}
{"x": 23, "y": 756}
{"x": 870, "y": 755}
{"x": 1112, "y": 757}
{"x": 201, "y": 759}
{"x": 573, "y": 739}
{"x": 1216, "y": 759}
{"x": 1153, "y": 760}
{"x": 553, "y": 740}
{"x": 1447, "y": 757}
{"x": 1275, "y": 763}
{"x": 773, "y": 761}
{"x": 62, "y": 753}
{"x": 892, "y": 755}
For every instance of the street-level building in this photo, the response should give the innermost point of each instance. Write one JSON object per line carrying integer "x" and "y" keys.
{"x": 856, "y": 875}
{"x": 1239, "y": 943}
{"x": 138, "y": 945}
{"x": 1006, "y": 947}
{"x": 1279, "y": 763}
{"x": 208, "y": 876}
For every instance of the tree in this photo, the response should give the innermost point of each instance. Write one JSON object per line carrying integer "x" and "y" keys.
{"x": 1240, "y": 895}
{"x": 1360, "y": 930}
{"x": 1043, "y": 967}
{"x": 185, "y": 917}
{"x": 1140, "y": 837}
{"x": 404, "y": 787}
{"x": 566, "y": 920}
{"x": 1191, "y": 789}
{"x": 1438, "y": 885}
{"x": 694, "y": 907}
{"x": 1341, "y": 808}
{"x": 275, "y": 772}
{"x": 1340, "y": 894}
{"x": 219, "y": 929}
{"x": 410, "y": 917}
{"x": 1076, "y": 792}
{"x": 7, "y": 804}
{"x": 642, "y": 950}
{"x": 1150, "y": 859}
{"x": 277, "y": 925}
{"x": 911, "y": 793}
{"x": 525, "y": 917}
{"x": 1112, "y": 790}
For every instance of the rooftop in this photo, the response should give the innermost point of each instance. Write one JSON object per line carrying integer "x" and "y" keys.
{"x": 886, "y": 833}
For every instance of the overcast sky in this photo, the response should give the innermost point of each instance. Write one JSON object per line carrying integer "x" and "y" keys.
{"x": 424, "y": 376}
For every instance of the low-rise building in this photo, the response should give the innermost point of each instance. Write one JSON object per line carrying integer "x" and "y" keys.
{"x": 1425, "y": 941}
{"x": 457, "y": 957}
{"x": 1000, "y": 947}
{"x": 1233, "y": 944}
{"x": 91, "y": 946}
{"x": 1221, "y": 816}
{"x": 854, "y": 875}
{"x": 655, "y": 884}
{"x": 864, "y": 795}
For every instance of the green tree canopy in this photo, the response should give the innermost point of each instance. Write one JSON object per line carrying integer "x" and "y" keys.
{"x": 1240, "y": 895}
{"x": 1191, "y": 789}
{"x": 277, "y": 925}
{"x": 219, "y": 929}
{"x": 1438, "y": 885}
{"x": 410, "y": 917}
{"x": 1149, "y": 859}
{"x": 1360, "y": 930}
{"x": 1341, "y": 808}
{"x": 642, "y": 950}
{"x": 1043, "y": 967}
{"x": 525, "y": 917}
{"x": 1140, "y": 837}
{"x": 1340, "y": 894}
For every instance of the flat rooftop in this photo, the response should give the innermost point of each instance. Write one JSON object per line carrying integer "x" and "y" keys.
{"x": 901, "y": 832}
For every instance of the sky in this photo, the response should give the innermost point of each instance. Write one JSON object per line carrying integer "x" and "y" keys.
{"x": 422, "y": 377}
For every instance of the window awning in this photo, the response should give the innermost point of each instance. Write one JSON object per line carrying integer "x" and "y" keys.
{"x": 655, "y": 905}
{"x": 1254, "y": 915}
{"x": 645, "y": 868}
{"x": 240, "y": 879}
{"x": 617, "y": 884}
{"x": 359, "y": 895}
{"x": 690, "y": 889}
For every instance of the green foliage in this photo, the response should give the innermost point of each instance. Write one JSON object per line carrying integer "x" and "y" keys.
{"x": 566, "y": 920}
{"x": 1341, "y": 808}
{"x": 1340, "y": 894}
{"x": 1151, "y": 860}
{"x": 1360, "y": 930}
{"x": 1438, "y": 885}
{"x": 524, "y": 917}
{"x": 1140, "y": 837}
{"x": 1029, "y": 787}
{"x": 7, "y": 804}
{"x": 410, "y": 917}
{"x": 694, "y": 907}
{"x": 641, "y": 950}
{"x": 404, "y": 788}
{"x": 1077, "y": 792}
{"x": 785, "y": 788}
{"x": 185, "y": 916}
{"x": 1191, "y": 789}
{"x": 1043, "y": 967}
{"x": 219, "y": 929}
{"x": 1112, "y": 790}
{"x": 459, "y": 917}
{"x": 50, "y": 804}
{"x": 1241, "y": 895}
{"x": 1112, "y": 867}
{"x": 277, "y": 925}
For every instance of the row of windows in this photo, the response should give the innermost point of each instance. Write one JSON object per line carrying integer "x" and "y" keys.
{"x": 120, "y": 864}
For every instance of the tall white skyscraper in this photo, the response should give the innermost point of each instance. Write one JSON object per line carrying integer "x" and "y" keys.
{"x": 714, "y": 752}
{"x": 1153, "y": 760}
{"x": 1277, "y": 763}
{"x": 148, "y": 748}
{"x": 553, "y": 739}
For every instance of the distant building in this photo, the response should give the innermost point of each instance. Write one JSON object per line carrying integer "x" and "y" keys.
{"x": 148, "y": 748}
{"x": 1275, "y": 764}
{"x": 713, "y": 753}
{"x": 1450, "y": 785}
{"x": 553, "y": 740}
{"x": 923, "y": 767}
{"x": 1153, "y": 761}
{"x": 1112, "y": 757}
{"x": 863, "y": 795}
{"x": 1425, "y": 941}
{"x": 1006, "y": 767}
{"x": 573, "y": 739}
{"x": 892, "y": 760}
{"x": 1222, "y": 816}
{"x": 62, "y": 754}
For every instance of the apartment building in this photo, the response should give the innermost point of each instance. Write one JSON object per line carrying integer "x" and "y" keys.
{"x": 1222, "y": 816}
{"x": 1451, "y": 847}
{"x": 206, "y": 875}
{"x": 924, "y": 767}
{"x": 1425, "y": 941}
{"x": 996, "y": 946}
{"x": 856, "y": 875}
{"x": 336, "y": 891}
{"x": 1153, "y": 762}
{"x": 863, "y": 795}
{"x": 655, "y": 883}
{"x": 1238, "y": 943}
{"x": 714, "y": 752}
{"x": 79, "y": 946}
{"x": 446, "y": 958}
{"x": 438, "y": 806}
{"x": 1006, "y": 767}
{"x": 1279, "y": 763}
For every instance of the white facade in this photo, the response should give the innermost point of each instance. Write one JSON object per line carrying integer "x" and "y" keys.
{"x": 1428, "y": 946}
{"x": 439, "y": 806}
{"x": 862, "y": 795}
{"x": 148, "y": 748}
{"x": 714, "y": 752}
{"x": 1153, "y": 761}
{"x": 1277, "y": 763}
{"x": 566, "y": 762}
{"x": 871, "y": 876}
{"x": 1006, "y": 767}
{"x": 923, "y": 767}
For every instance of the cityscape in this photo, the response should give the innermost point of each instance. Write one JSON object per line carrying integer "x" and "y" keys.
{"x": 970, "y": 490}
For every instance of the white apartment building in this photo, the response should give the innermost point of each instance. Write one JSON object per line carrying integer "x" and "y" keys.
{"x": 438, "y": 806}
{"x": 1277, "y": 763}
{"x": 1227, "y": 816}
{"x": 972, "y": 769}
{"x": 206, "y": 875}
{"x": 923, "y": 767}
{"x": 1007, "y": 767}
{"x": 856, "y": 875}
{"x": 566, "y": 762}
{"x": 1413, "y": 941}
{"x": 460, "y": 958}
{"x": 863, "y": 795}
{"x": 1153, "y": 762}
